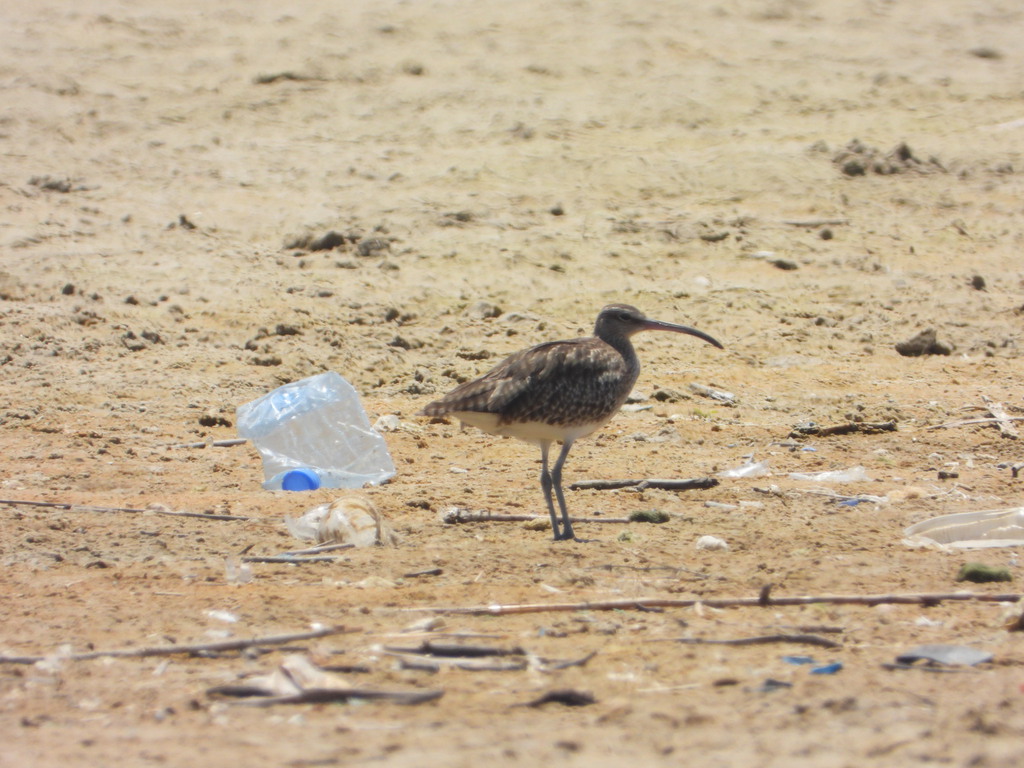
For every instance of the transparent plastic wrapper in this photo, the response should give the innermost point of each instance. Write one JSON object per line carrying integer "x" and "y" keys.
{"x": 351, "y": 519}
{"x": 972, "y": 530}
{"x": 749, "y": 469}
{"x": 851, "y": 475}
{"x": 315, "y": 428}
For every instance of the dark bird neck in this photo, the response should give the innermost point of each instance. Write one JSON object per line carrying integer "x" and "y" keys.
{"x": 624, "y": 347}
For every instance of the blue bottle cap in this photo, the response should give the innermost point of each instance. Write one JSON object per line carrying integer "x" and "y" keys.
{"x": 301, "y": 479}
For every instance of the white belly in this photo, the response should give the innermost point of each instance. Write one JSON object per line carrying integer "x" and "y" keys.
{"x": 532, "y": 431}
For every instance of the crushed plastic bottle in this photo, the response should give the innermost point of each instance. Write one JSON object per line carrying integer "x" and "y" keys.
{"x": 314, "y": 433}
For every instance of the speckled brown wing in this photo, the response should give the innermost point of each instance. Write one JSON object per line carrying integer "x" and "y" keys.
{"x": 560, "y": 382}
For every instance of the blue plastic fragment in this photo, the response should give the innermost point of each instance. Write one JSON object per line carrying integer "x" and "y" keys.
{"x": 828, "y": 669}
{"x": 849, "y": 502}
{"x": 798, "y": 659}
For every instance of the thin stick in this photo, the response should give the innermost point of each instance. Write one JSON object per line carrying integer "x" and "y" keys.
{"x": 134, "y": 510}
{"x": 424, "y": 572}
{"x": 698, "y": 483}
{"x": 803, "y": 639}
{"x": 868, "y": 428}
{"x": 556, "y": 665}
{"x": 433, "y": 663}
{"x": 289, "y": 559}
{"x": 326, "y": 695}
{"x": 457, "y": 515}
{"x": 171, "y": 650}
{"x": 812, "y": 223}
{"x": 213, "y": 443}
{"x": 317, "y": 550}
{"x": 969, "y": 422}
{"x": 450, "y": 650}
{"x": 729, "y": 602}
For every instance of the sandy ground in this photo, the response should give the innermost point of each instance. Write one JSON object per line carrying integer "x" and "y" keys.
{"x": 163, "y": 165}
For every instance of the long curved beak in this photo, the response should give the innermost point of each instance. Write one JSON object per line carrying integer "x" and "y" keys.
{"x": 658, "y": 325}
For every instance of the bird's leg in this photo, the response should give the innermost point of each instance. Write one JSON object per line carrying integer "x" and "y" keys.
{"x": 556, "y": 480}
{"x": 545, "y": 484}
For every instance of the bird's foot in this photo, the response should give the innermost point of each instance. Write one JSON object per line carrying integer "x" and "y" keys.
{"x": 567, "y": 534}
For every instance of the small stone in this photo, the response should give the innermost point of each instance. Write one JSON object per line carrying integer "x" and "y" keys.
{"x": 372, "y": 246}
{"x": 854, "y": 168}
{"x": 986, "y": 52}
{"x": 133, "y": 342}
{"x": 213, "y": 419}
{"x": 483, "y": 310}
{"x": 668, "y": 396}
{"x": 924, "y": 343}
{"x": 327, "y": 242}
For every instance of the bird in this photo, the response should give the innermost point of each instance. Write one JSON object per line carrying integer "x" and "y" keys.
{"x": 558, "y": 392}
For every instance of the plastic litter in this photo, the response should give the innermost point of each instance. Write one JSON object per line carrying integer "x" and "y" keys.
{"x": 954, "y": 655}
{"x": 349, "y": 520}
{"x": 237, "y": 572}
{"x": 302, "y": 479}
{"x": 749, "y": 469}
{"x": 851, "y": 475}
{"x": 826, "y": 669}
{"x": 798, "y": 660}
{"x": 226, "y": 616}
{"x": 712, "y": 543}
{"x": 318, "y": 426}
{"x": 972, "y": 530}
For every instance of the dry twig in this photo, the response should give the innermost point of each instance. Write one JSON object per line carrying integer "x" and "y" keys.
{"x": 319, "y": 549}
{"x": 288, "y": 559}
{"x": 802, "y": 639}
{"x": 324, "y": 695}
{"x": 155, "y": 509}
{"x": 643, "y": 603}
{"x": 697, "y": 483}
{"x": 969, "y": 422}
{"x": 864, "y": 427}
{"x": 171, "y": 650}
{"x": 212, "y": 443}
{"x": 458, "y": 515}
{"x": 813, "y": 223}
